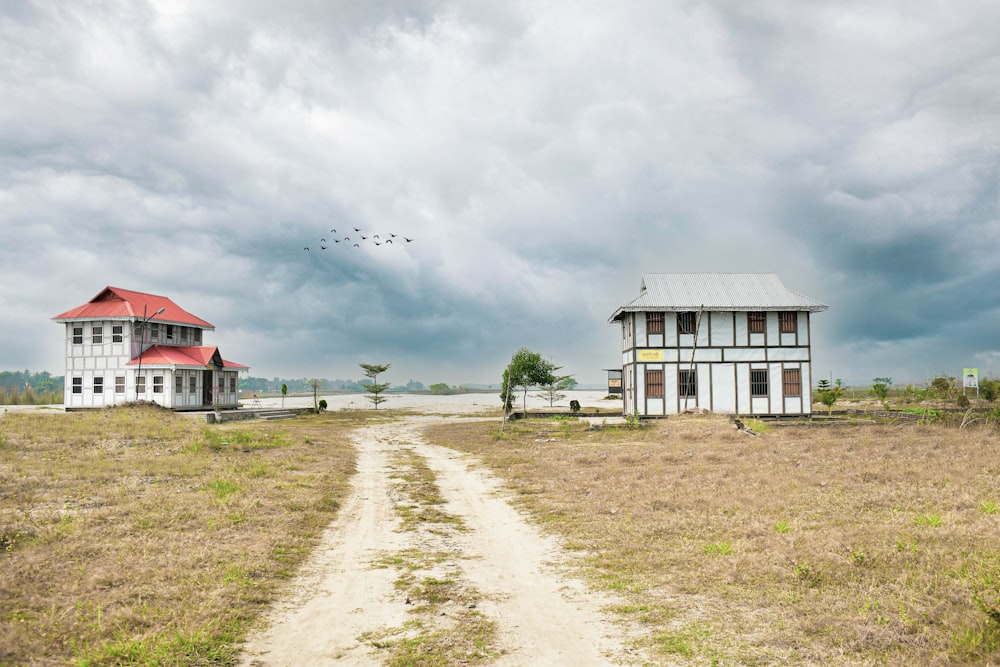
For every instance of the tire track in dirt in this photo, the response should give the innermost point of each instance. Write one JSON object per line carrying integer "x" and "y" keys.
{"x": 341, "y": 600}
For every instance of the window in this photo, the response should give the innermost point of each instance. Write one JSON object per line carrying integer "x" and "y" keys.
{"x": 140, "y": 385}
{"x": 178, "y": 384}
{"x": 654, "y": 323}
{"x": 192, "y": 384}
{"x": 792, "y": 381}
{"x": 97, "y": 335}
{"x": 788, "y": 321}
{"x": 98, "y": 385}
{"x": 756, "y": 321}
{"x": 77, "y": 335}
{"x": 157, "y": 384}
{"x": 196, "y": 337}
{"x": 758, "y": 383}
{"x": 116, "y": 333}
{"x": 170, "y": 331}
{"x": 685, "y": 323}
{"x": 119, "y": 384}
{"x": 77, "y": 385}
{"x": 232, "y": 383}
{"x": 154, "y": 332}
{"x": 687, "y": 386}
{"x": 654, "y": 384}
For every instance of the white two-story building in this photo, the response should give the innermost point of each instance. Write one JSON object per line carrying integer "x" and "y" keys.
{"x": 124, "y": 346}
{"x": 735, "y": 343}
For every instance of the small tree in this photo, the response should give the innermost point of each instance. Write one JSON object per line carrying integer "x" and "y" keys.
{"x": 526, "y": 369}
{"x": 374, "y": 388}
{"x": 440, "y": 388}
{"x": 316, "y": 385}
{"x": 553, "y": 391}
{"x": 828, "y": 394}
{"x": 284, "y": 392}
{"x": 880, "y": 390}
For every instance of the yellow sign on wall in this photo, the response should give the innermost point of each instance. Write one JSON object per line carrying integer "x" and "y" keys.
{"x": 649, "y": 355}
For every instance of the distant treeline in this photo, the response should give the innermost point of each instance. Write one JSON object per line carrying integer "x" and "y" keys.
{"x": 27, "y": 388}
{"x": 302, "y": 385}
{"x": 272, "y": 386}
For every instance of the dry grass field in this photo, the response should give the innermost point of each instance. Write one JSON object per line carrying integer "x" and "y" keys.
{"x": 839, "y": 544}
{"x": 140, "y": 537}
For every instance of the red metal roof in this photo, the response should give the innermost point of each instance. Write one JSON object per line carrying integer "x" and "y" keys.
{"x": 114, "y": 302}
{"x": 184, "y": 355}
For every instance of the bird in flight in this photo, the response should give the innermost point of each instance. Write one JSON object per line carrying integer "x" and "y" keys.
{"x": 376, "y": 239}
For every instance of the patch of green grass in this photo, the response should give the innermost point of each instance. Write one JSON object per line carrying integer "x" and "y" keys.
{"x": 988, "y": 507}
{"x": 671, "y": 643}
{"x": 221, "y": 439}
{"x": 930, "y": 520}
{"x": 718, "y": 548}
{"x": 782, "y": 526}
{"x": 223, "y": 488}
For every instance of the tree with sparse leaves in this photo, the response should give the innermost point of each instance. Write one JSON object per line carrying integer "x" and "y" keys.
{"x": 315, "y": 385}
{"x": 880, "y": 390}
{"x": 552, "y": 392}
{"x": 375, "y": 388}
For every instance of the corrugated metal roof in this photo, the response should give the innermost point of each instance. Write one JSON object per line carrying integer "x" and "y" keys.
{"x": 716, "y": 291}
{"x": 117, "y": 303}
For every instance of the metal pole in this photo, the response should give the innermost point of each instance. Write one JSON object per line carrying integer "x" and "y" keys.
{"x": 141, "y": 327}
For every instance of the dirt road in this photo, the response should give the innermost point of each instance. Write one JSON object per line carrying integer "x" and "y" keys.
{"x": 462, "y": 575}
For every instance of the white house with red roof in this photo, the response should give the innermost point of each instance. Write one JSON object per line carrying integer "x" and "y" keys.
{"x": 124, "y": 346}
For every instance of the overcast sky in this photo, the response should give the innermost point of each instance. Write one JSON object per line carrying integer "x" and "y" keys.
{"x": 541, "y": 155}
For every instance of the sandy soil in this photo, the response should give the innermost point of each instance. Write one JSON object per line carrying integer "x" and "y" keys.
{"x": 515, "y": 575}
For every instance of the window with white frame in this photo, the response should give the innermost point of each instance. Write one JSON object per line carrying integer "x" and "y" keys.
{"x": 792, "y": 381}
{"x": 788, "y": 321}
{"x": 98, "y": 384}
{"x": 140, "y": 385}
{"x": 116, "y": 333}
{"x": 97, "y": 335}
{"x": 686, "y": 322}
{"x": 192, "y": 384}
{"x": 758, "y": 383}
{"x": 756, "y": 321}
{"x": 654, "y": 322}
{"x": 77, "y": 335}
{"x": 119, "y": 384}
{"x": 178, "y": 383}
{"x": 157, "y": 384}
{"x": 77, "y": 385}
{"x": 654, "y": 384}
{"x": 687, "y": 384}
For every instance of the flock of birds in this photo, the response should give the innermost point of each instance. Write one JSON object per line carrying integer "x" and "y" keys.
{"x": 360, "y": 238}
